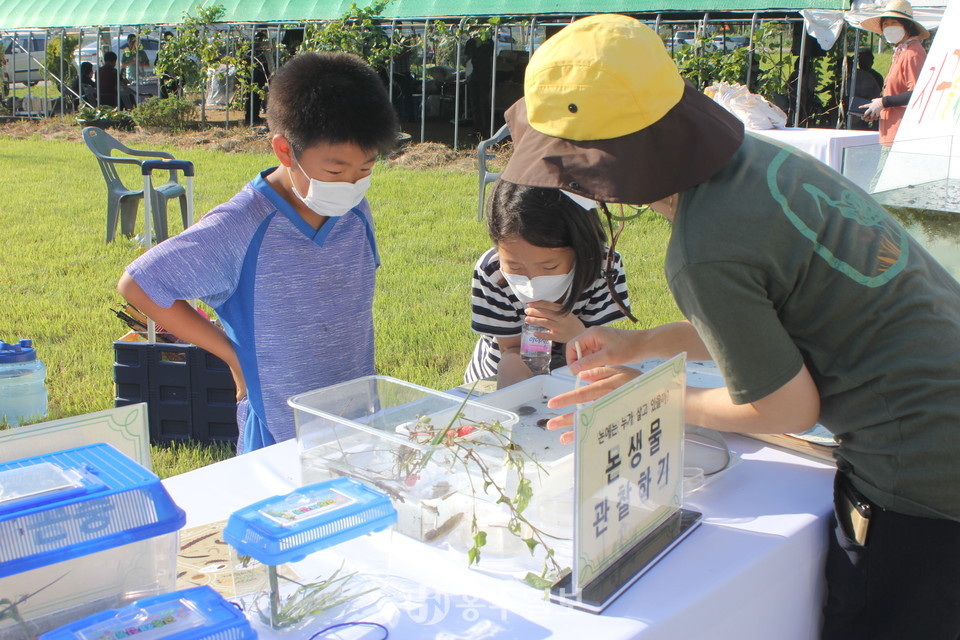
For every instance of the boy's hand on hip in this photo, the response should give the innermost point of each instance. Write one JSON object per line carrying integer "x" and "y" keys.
{"x": 556, "y": 325}
{"x": 240, "y": 382}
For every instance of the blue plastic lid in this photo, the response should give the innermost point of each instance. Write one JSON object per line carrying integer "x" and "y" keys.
{"x": 288, "y": 528}
{"x": 22, "y": 351}
{"x": 64, "y": 505}
{"x": 190, "y": 614}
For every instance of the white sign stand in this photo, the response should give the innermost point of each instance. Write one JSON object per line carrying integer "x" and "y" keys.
{"x": 126, "y": 428}
{"x": 629, "y": 486}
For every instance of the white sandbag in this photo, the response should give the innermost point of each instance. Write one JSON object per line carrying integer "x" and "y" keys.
{"x": 753, "y": 110}
{"x": 218, "y": 79}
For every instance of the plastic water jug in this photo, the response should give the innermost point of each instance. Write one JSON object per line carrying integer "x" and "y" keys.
{"x": 23, "y": 394}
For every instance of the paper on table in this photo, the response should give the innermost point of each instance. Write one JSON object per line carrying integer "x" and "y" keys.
{"x": 205, "y": 559}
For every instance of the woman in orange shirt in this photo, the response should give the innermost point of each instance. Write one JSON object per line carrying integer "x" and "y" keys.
{"x": 899, "y": 28}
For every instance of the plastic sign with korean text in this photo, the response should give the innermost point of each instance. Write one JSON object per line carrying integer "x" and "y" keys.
{"x": 629, "y": 467}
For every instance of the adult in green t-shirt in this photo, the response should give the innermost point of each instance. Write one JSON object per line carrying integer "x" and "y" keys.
{"x": 815, "y": 304}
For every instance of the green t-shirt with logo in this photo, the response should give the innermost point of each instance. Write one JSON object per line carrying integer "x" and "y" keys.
{"x": 778, "y": 260}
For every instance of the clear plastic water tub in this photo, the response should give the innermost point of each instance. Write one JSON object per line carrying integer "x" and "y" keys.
{"x": 380, "y": 430}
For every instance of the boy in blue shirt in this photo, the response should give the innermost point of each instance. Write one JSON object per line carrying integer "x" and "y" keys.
{"x": 288, "y": 263}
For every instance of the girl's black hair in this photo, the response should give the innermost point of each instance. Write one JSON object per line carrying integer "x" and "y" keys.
{"x": 548, "y": 218}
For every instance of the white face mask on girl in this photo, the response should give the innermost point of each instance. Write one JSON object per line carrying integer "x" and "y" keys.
{"x": 549, "y": 288}
{"x": 332, "y": 199}
{"x": 894, "y": 33}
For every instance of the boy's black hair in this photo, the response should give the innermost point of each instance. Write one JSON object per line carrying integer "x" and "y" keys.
{"x": 547, "y": 218}
{"x": 109, "y": 57}
{"x": 333, "y": 98}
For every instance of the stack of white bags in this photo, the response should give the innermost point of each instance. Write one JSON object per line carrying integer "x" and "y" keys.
{"x": 755, "y": 111}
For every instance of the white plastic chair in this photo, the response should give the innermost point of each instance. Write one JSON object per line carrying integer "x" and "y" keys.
{"x": 486, "y": 177}
{"x": 123, "y": 202}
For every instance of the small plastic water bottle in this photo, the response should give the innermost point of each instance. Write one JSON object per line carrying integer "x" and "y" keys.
{"x": 23, "y": 394}
{"x": 534, "y": 350}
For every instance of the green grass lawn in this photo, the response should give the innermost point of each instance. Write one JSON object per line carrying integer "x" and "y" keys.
{"x": 59, "y": 276}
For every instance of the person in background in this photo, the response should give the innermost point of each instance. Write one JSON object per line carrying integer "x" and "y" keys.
{"x": 869, "y": 85}
{"x": 83, "y": 89}
{"x": 898, "y": 28}
{"x": 114, "y": 91}
{"x": 404, "y": 85}
{"x": 548, "y": 264}
{"x": 289, "y": 262}
{"x": 816, "y": 305}
{"x": 253, "y": 97}
{"x": 479, "y": 55}
{"x": 865, "y": 68}
{"x": 134, "y": 62}
{"x": 169, "y": 85}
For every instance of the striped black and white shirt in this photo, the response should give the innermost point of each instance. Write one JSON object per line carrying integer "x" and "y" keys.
{"x": 498, "y": 313}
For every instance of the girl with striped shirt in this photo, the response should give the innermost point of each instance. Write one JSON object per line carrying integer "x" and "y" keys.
{"x": 548, "y": 263}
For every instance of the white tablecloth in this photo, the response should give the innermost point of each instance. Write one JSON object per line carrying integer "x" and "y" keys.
{"x": 751, "y": 570}
{"x": 826, "y": 145}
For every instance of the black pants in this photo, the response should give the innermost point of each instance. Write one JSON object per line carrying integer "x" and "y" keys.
{"x": 903, "y": 584}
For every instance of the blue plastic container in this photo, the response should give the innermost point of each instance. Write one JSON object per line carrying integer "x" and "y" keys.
{"x": 191, "y": 614}
{"x": 81, "y": 531}
{"x": 288, "y": 528}
{"x": 23, "y": 392}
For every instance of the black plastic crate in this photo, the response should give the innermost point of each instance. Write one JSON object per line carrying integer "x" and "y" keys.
{"x": 190, "y": 393}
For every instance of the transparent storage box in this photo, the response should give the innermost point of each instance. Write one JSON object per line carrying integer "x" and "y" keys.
{"x": 288, "y": 528}
{"x": 380, "y": 430}
{"x": 199, "y": 613}
{"x": 81, "y": 531}
{"x": 551, "y": 478}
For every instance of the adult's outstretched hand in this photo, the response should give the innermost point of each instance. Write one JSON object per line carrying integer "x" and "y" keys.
{"x": 602, "y": 381}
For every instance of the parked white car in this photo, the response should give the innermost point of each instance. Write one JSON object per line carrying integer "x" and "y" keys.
{"x": 23, "y": 59}
{"x": 682, "y": 39}
{"x": 729, "y": 43}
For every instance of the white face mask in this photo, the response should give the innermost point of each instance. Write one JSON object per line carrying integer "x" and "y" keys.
{"x": 549, "y": 288}
{"x": 332, "y": 199}
{"x": 894, "y": 33}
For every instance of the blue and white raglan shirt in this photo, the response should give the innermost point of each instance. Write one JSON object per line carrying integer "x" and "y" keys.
{"x": 497, "y": 312}
{"x": 296, "y": 303}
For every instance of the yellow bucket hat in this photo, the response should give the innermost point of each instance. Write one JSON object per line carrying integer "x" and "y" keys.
{"x": 584, "y": 84}
{"x": 606, "y": 114}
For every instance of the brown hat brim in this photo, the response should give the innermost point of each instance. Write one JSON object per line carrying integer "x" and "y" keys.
{"x": 689, "y": 144}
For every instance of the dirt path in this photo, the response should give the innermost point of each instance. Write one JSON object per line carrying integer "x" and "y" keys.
{"x": 427, "y": 155}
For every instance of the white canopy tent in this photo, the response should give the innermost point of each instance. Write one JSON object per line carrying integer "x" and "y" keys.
{"x": 826, "y": 24}
{"x": 929, "y": 13}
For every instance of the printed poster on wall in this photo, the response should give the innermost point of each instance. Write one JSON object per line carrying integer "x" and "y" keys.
{"x": 629, "y": 467}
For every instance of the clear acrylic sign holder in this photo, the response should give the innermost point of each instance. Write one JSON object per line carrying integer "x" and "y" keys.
{"x": 629, "y": 487}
